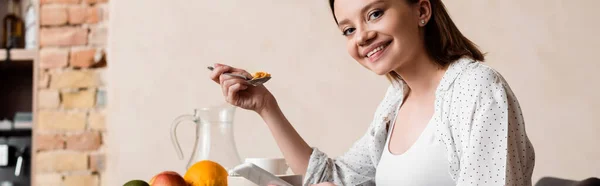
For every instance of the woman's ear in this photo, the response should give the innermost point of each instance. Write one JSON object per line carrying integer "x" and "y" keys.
{"x": 424, "y": 12}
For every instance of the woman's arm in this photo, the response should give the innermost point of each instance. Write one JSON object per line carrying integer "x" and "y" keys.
{"x": 498, "y": 151}
{"x": 258, "y": 98}
{"x": 295, "y": 150}
{"x": 356, "y": 167}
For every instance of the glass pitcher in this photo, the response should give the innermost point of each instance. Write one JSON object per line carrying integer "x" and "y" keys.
{"x": 214, "y": 136}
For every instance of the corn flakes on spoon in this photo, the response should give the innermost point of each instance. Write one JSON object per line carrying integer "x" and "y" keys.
{"x": 257, "y": 79}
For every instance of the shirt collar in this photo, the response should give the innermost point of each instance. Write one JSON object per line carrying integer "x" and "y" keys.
{"x": 401, "y": 89}
{"x": 453, "y": 71}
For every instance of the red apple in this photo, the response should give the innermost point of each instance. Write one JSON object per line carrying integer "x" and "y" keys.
{"x": 167, "y": 178}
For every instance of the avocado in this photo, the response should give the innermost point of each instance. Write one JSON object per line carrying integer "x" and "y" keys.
{"x": 136, "y": 183}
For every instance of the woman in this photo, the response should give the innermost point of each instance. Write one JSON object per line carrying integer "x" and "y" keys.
{"x": 446, "y": 119}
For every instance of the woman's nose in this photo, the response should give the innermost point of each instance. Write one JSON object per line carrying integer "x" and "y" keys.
{"x": 365, "y": 37}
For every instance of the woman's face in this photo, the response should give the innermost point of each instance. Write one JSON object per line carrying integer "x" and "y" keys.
{"x": 382, "y": 35}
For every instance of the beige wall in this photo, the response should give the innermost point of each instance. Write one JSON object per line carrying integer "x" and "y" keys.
{"x": 160, "y": 51}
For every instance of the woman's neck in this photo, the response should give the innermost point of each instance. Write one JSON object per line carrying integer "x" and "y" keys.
{"x": 422, "y": 75}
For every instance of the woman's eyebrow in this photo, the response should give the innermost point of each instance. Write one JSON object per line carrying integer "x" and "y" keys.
{"x": 368, "y": 6}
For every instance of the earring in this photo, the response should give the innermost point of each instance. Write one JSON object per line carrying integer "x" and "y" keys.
{"x": 422, "y": 22}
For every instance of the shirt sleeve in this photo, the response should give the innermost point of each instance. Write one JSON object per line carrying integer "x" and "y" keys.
{"x": 356, "y": 166}
{"x": 352, "y": 168}
{"x": 498, "y": 150}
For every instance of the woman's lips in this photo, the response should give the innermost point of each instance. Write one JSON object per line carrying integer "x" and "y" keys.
{"x": 378, "y": 52}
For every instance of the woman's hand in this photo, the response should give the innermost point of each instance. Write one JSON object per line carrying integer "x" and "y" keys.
{"x": 240, "y": 93}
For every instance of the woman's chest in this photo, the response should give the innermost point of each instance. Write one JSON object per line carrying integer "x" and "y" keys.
{"x": 410, "y": 121}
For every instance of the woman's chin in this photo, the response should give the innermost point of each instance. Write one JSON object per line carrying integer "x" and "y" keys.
{"x": 380, "y": 68}
{"x": 380, "y": 71}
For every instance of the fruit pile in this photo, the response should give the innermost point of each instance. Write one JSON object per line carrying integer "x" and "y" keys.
{"x": 202, "y": 173}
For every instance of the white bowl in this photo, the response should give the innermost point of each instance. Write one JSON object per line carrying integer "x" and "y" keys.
{"x": 295, "y": 180}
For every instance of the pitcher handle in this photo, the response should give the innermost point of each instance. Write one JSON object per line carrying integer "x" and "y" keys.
{"x": 174, "y": 125}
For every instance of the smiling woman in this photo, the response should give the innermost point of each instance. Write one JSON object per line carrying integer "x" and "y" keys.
{"x": 449, "y": 120}
{"x": 446, "y": 119}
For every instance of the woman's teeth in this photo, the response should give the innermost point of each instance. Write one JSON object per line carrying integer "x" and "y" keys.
{"x": 376, "y": 50}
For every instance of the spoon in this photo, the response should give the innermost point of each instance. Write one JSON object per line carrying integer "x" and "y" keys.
{"x": 253, "y": 82}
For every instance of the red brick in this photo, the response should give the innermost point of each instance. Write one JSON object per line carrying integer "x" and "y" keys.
{"x": 94, "y": 14}
{"x": 80, "y": 180}
{"x": 97, "y": 120}
{"x": 48, "y": 99}
{"x": 97, "y": 162}
{"x": 77, "y": 14}
{"x": 60, "y": 121}
{"x": 63, "y": 36}
{"x": 79, "y": 99}
{"x": 84, "y": 141}
{"x": 44, "y": 79}
{"x": 48, "y": 179}
{"x": 60, "y": 1}
{"x": 53, "y": 15}
{"x": 98, "y": 36}
{"x": 74, "y": 79}
{"x": 95, "y": 1}
{"x": 53, "y": 58}
{"x": 82, "y": 58}
{"x": 56, "y": 161}
{"x": 105, "y": 13}
{"x": 49, "y": 141}
{"x": 102, "y": 77}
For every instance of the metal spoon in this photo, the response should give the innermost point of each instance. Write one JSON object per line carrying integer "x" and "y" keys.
{"x": 253, "y": 82}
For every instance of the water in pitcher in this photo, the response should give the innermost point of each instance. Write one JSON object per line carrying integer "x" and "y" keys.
{"x": 214, "y": 138}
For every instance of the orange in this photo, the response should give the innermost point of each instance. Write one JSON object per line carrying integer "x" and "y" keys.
{"x": 206, "y": 173}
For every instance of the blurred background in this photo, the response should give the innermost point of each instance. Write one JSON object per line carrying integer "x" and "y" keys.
{"x": 90, "y": 87}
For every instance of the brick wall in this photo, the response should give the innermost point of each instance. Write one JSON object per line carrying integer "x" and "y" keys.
{"x": 71, "y": 91}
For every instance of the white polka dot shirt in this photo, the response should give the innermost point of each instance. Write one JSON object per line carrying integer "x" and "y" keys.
{"x": 477, "y": 117}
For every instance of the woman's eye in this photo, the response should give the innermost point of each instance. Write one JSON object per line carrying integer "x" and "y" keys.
{"x": 375, "y": 14}
{"x": 348, "y": 31}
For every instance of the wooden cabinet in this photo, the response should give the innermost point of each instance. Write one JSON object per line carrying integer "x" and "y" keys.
{"x": 18, "y": 90}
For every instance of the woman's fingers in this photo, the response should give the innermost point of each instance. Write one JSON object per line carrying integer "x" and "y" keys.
{"x": 227, "y": 82}
{"x": 243, "y": 73}
{"x": 219, "y": 69}
{"x": 233, "y": 92}
{"x": 236, "y": 70}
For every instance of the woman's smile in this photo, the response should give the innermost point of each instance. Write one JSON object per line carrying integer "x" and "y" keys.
{"x": 376, "y": 51}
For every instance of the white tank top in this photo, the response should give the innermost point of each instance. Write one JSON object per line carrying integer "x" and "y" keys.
{"x": 424, "y": 163}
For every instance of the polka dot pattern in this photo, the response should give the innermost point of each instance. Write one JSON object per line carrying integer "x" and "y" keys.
{"x": 477, "y": 117}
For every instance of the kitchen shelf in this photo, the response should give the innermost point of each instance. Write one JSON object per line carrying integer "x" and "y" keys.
{"x": 15, "y": 132}
{"x": 19, "y": 54}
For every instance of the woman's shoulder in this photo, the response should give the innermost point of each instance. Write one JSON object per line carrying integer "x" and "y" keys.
{"x": 474, "y": 76}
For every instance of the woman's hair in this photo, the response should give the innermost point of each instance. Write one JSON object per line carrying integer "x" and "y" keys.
{"x": 443, "y": 41}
